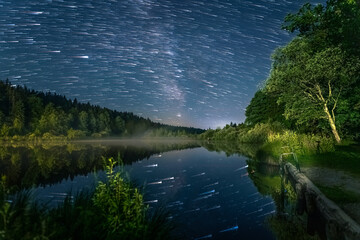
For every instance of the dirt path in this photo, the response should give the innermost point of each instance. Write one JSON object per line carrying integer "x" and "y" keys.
{"x": 333, "y": 178}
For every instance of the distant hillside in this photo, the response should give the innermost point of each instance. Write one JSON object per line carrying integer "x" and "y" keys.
{"x": 28, "y": 112}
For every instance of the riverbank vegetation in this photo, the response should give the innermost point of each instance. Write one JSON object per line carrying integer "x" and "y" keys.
{"x": 311, "y": 99}
{"x": 30, "y": 115}
{"x": 345, "y": 158}
{"x": 114, "y": 210}
{"x": 272, "y": 137}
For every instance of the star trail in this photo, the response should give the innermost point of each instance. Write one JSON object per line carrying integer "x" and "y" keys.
{"x": 191, "y": 63}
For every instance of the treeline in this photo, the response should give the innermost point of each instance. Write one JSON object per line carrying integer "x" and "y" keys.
{"x": 37, "y": 114}
{"x": 313, "y": 87}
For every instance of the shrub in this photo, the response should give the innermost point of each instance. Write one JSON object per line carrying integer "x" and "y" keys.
{"x": 121, "y": 206}
{"x": 96, "y": 135}
{"x": 74, "y": 134}
{"x": 303, "y": 143}
{"x": 260, "y": 133}
{"x": 115, "y": 210}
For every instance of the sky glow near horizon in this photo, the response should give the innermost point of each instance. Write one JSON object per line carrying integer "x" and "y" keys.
{"x": 191, "y": 63}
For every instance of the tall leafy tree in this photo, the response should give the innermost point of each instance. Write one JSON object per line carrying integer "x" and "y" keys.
{"x": 335, "y": 24}
{"x": 311, "y": 83}
{"x": 36, "y": 108}
{"x": 119, "y": 125}
{"x": 18, "y": 116}
{"x": 54, "y": 120}
{"x": 2, "y": 118}
{"x": 104, "y": 122}
{"x": 316, "y": 74}
{"x": 83, "y": 121}
{"x": 264, "y": 108}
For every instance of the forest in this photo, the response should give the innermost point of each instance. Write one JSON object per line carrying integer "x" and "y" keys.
{"x": 313, "y": 88}
{"x": 309, "y": 104}
{"x": 25, "y": 112}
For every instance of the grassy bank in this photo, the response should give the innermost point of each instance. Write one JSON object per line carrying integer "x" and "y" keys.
{"x": 273, "y": 138}
{"x": 114, "y": 210}
{"x": 338, "y": 195}
{"x": 344, "y": 158}
{"x": 311, "y": 151}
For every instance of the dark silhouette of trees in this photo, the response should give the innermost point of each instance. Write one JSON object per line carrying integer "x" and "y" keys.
{"x": 26, "y": 112}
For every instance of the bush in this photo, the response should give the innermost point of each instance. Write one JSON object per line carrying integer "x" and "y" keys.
{"x": 115, "y": 210}
{"x": 74, "y": 134}
{"x": 303, "y": 143}
{"x": 96, "y": 135}
{"x": 120, "y": 205}
{"x": 260, "y": 132}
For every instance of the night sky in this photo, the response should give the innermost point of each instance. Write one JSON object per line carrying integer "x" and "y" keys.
{"x": 183, "y": 62}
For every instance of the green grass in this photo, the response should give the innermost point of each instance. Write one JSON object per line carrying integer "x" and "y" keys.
{"x": 339, "y": 195}
{"x": 344, "y": 158}
{"x": 289, "y": 228}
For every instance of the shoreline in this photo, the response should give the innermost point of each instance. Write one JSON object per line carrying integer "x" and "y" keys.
{"x": 337, "y": 224}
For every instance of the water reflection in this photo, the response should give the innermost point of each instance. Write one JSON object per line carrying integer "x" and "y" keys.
{"x": 217, "y": 191}
{"x": 288, "y": 220}
{"x": 40, "y": 165}
{"x": 209, "y": 194}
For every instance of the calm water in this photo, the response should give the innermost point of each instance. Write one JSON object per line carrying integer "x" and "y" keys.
{"x": 209, "y": 194}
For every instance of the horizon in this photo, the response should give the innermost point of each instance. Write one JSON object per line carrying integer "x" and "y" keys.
{"x": 193, "y": 64}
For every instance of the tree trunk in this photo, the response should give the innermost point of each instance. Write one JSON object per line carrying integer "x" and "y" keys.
{"x": 332, "y": 124}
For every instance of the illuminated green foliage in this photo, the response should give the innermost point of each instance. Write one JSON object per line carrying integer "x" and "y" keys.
{"x": 314, "y": 81}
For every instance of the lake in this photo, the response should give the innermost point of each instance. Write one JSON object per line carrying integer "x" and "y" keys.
{"x": 211, "y": 191}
